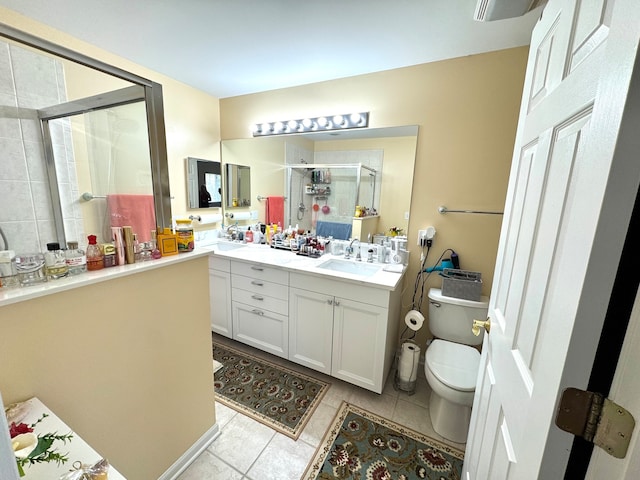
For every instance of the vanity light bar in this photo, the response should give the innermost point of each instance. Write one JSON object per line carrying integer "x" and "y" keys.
{"x": 312, "y": 124}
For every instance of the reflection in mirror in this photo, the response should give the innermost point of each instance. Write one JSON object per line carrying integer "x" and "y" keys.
{"x": 238, "y": 185}
{"x": 72, "y": 135}
{"x": 204, "y": 183}
{"x": 390, "y": 152}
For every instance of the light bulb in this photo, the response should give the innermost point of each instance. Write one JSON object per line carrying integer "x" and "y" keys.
{"x": 278, "y": 127}
{"x": 322, "y": 122}
{"x": 307, "y": 123}
{"x": 338, "y": 120}
{"x": 355, "y": 118}
{"x": 292, "y": 124}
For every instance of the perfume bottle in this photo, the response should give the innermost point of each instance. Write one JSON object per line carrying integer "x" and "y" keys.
{"x": 75, "y": 258}
{"x": 55, "y": 262}
{"x": 95, "y": 258}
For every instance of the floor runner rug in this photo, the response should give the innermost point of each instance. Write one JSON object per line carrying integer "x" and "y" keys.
{"x": 279, "y": 397}
{"x": 362, "y": 445}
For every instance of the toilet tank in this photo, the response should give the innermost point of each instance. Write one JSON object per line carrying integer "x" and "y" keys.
{"x": 452, "y": 318}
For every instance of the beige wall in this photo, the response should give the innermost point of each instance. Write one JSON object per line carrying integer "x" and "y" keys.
{"x": 466, "y": 109}
{"x": 126, "y": 363}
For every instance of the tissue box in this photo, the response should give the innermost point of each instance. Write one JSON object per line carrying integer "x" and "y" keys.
{"x": 462, "y": 284}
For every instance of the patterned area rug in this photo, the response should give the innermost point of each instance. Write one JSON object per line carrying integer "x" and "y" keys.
{"x": 361, "y": 445}
{"x": 272, "y": 394}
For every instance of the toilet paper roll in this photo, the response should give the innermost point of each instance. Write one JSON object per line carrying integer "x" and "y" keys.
{"x": 408, "y": 363}
{"x": 414, "y": 320}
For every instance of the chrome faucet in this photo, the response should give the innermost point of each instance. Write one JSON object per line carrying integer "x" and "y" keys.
{"x": 349, "y": 250}
{"x": 232, "y": 231}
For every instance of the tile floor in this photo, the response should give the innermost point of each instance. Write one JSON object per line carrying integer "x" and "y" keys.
{"x": 248, "y": 450}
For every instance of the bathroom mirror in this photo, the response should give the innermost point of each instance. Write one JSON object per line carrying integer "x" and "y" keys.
{"x": 204, "y": 183}
{"x": 77, "y": 130}
{"x": 391, "y": 151}
{"x": 237, "y": 185}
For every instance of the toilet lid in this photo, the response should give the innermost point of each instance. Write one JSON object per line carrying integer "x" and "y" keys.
{"x": 454, "y": 364}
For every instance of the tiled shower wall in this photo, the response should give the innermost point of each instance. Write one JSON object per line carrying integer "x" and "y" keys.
{"x": 29, "y": 81}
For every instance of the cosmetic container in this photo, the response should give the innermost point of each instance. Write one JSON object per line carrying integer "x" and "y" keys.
{"x": 8, "y": 272}
{"x": 30, "y": 268}
{"x": 75, "y": 258}
{"x": 55, "y": 262}
{"x": 95, "y": 258}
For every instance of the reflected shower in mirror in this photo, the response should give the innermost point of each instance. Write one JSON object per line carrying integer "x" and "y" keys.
{"x": 74, "y": 131}
{"x": 204, "y": 183}
{"x": 238, "y": 185}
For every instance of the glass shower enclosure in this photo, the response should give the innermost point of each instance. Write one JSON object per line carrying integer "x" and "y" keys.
{"x": 322, "y": 198}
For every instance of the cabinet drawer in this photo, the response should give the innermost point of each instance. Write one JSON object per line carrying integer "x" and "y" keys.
{"x": 257, "y": 271}
{"x": 260, "y": 300}
{"x": 262, "y": 329}
{"x": 262, "y": 287}
{"x": 217, "y": 263}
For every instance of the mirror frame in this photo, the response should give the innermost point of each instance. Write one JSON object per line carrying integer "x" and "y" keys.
{"x": 194, "y": 167}
{"x": 155, "y": 117}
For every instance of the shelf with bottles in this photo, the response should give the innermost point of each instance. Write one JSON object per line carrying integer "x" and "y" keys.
{"x": 317, "y": 189}
{"x": 321, "y": 176}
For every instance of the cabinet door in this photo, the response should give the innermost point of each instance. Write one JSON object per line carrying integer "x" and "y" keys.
{"x": 220, "y": 298}
{"x": 359, "y": 339}
{"x": 260, "y": 328}
{"x": 310, "y": 329}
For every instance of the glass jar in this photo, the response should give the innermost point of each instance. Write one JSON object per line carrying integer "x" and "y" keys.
{"x": 76, "y": 259}
{"x": 8, "y": 272}
{"x": 30, "y": 268}
{"x": 55, "y": 262}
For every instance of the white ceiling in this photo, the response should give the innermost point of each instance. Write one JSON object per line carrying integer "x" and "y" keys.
{"x": 235, "y": 47}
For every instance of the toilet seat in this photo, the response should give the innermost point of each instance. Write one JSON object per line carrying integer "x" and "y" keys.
{"x": 453, "y": 364}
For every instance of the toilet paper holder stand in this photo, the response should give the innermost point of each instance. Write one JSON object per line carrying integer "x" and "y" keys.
{"x": 407, "y": 366}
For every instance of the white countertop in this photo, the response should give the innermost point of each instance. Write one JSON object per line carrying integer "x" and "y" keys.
{"x": 77, "y": 450}
{"x": 288, "y": 260}
{"x": 19, "y": 294}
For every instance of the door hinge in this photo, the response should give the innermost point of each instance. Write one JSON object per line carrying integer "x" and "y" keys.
{"x": 596, "y": 419}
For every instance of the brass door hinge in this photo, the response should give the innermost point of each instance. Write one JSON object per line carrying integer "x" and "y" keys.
{"x": 596, "y": 419}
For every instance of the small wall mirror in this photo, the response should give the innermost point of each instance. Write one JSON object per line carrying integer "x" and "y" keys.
{"x": 204, "y": 183}
{"x": 238, "y": 185}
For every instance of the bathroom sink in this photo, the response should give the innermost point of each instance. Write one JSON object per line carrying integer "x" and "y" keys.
{"x": 355, "y": 268}
{"x": 226, "y": 246}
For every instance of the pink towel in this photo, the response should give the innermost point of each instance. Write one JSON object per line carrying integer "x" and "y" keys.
{"x": 274, "y": 211}
{"x": 136, "y": 211}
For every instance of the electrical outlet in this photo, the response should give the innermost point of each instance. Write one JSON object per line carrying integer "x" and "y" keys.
{"x": 422, "y": 238}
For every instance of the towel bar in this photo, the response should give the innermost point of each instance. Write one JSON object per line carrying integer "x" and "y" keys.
{"x": 443, "y": 210}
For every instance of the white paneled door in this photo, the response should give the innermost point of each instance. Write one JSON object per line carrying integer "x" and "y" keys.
{"x": 573, "y": 182}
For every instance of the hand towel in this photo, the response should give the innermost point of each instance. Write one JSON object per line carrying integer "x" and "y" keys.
{"x": 136, "y": 211}
{"x": 274, "y": 211}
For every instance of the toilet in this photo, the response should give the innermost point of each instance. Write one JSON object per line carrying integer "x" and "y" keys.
{"x": 451, "y": 362}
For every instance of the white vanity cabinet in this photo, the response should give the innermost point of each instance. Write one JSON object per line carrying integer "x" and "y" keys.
{"x": 260, "y": 307}
{"x": 311, "y": 329}
{"x": 220, "y": 295}
{"x": 344, "y": 329}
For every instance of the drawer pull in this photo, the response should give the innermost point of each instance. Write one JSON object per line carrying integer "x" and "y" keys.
{"x": 330, "y": 302}
{"x": 255, "y": 282}
{"x": 259, "y": 269}
{"x": 257, "y": 312}
{"x": 336, "y": 303}
{"x": 257, "y": 297}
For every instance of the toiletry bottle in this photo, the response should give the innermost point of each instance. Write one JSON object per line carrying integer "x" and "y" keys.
{"x": 155, "y": 252}
{"x": 248, "y": 236}
{"x": 118, "y": 242}
{"x": 184, "y": 232}
{"x": 137, "y": 249}
{"x": 129, "y": 253}
{"x": 95, "y": 259}
{"x": 8, "y": 271}
{"x": 109, "y": 251}
{"x": 76, "y": 259}
{"x": 55, "y": 263}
